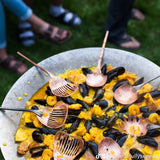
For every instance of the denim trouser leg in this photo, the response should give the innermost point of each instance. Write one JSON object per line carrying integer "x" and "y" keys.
{"x": 2, "y": 27}
{"x": 118, "y": 15}
{"x": 19, "y": 8}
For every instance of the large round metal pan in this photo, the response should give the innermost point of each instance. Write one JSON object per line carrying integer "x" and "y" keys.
{"x": 34, "y": 79}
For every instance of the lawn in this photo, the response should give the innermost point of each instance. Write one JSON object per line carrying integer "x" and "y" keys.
{"x": 89, "y": 34}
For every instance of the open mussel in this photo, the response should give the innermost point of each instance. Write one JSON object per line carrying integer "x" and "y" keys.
{"x": 102, "y": 103}
{"x": 136, "y": 154}
{"x": 103, "y": 69}
{"x": 37, "y": 151}
{"x": 49, "y": 92}
{"x": 121, "y": 139}
{"x": 119, "y": 84}
{"x": 100, "y": 123}
{"x": 94, "y": 148}
{"x": 147, "y": 141}
{"x": 114, "y": 73}
{"x": 37, "y": 136}
{"x": 98, "y": 94}
{"x": 111, "y": 120}
{"x": 83, "y": 89}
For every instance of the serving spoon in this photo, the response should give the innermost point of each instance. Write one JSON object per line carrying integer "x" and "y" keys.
{"x": 109, "y": 149}
{"x": 127, "y": 94}
{"x": 58, "y": 86}
{"x": 97, "y": 79}
{"x": 51, "y": 117}
{"x": 66, "y": 147}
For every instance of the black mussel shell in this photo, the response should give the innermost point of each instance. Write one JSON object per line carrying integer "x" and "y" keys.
{"x": 100, "y": 123}
{"x": 84, "y": 104}
{"x": 37, "y": 151}
{"x": 68, "y": 100}
{"x": 49, "y": 92}
{"x": 75, "y": 125}
{"x": 37, "y": 136}
{"x": 153, "y": 133}
{"x": 41, "y": 101}
{"x": 102, "y": 103}
{"x": 46, "y": 130}
{"x": 144, "y": 109}
{"x": 119, "y": 84}
{"x": 136, "y": 154}
{"x": 98, "y": 94}
{"x": 86, "y": 71}
{"x": 139, "y": 81}
{"x": 87, "y": 125}
{"x": 83, "y": 89}
{"x": 103, "y": 69}
{"x": 30, "y": 125}
{"x": 147, "y": 141}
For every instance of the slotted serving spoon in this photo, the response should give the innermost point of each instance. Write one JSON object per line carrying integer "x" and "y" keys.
{"x": 58, "y": 86}
{"x": 97, "y": 79}
{"x": 127, "y": 94}
{"x": 109, "y": 149}
{"x": 51, "y": 117}
{"x": 66, "y": 147}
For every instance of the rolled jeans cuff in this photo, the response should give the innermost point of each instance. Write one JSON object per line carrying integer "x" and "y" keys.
{"x": 27, "y": 15}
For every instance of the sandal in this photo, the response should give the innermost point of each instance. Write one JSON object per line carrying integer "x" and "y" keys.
{"x": 137, "y": 14}
{"x": 56, "y": 37}
{"x": 25, "y": 34}
{"x": 61, "y": 18}
{"x": 126, "y": 42}
{"x": 13, "y": 65}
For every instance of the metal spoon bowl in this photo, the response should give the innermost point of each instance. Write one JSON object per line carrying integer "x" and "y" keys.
{"x": 109, "y": 149}
{"x": 58, "y": 86}
{"x": 127, "y": 94}
{"x": 97, "y": 79}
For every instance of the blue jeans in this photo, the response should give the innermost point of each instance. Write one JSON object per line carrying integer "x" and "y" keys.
{"x": 19, "y": 8}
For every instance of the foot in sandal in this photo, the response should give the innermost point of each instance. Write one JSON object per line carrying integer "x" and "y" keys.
{"x": 125, "y": 42}
{"x": 9, "y": 62}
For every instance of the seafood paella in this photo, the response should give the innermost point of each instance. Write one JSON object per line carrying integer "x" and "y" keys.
{"x": 94, "y": 114}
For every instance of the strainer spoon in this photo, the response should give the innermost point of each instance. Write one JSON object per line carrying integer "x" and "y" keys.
{"x": 51, "y": 117}
{"x": 97, "y": 79}
{"x": 66, "y": 147}
{"x": 58, "y": 86}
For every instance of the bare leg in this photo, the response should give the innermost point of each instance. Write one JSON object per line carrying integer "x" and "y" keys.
{"x": 40, "y": 26}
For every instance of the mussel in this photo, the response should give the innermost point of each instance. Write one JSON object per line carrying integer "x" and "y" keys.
{"x": 136, "y": 154}
{"x": 119, "y": 84}
{"x": 87, "y": 125}
{"x": 41, "y": 101}
{"x": 86, "y": 71}
{"x": 102, "y": 103}
{"x": 48, "y": 91}
{"x": 114, "y": 72}
{"x": 103, "y": 69}
{"x": 111, "y": 120}
{"x": 98, "y": 94}
{"x": 121, "y": 139}
{"x": 139, "y": 81}
{"x": 37, "y": 151}
{"x": 147, "y": 141}
{"x": 100, "y": 123}
{"x": 94, "y": 148}
{"x": 68, "y": 100}
{"x": 46, "y": 130}
{"x": 83, "y": 89}
{"x": 75, "y": 125}
{"x": 37, "y": 136}
{"x": 84, "y": 104}
{"x": 153, "y": 133}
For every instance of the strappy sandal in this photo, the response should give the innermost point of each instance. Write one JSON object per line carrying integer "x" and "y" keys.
{"x": 25, "y": 34}
{"x": 61, "y": 17}
{"x": 57, "y": 37}
{"x": 126, "y": 42}
{"x": 7, "y": 64}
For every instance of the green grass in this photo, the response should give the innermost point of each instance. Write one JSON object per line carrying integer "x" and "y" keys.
{"x": 89, "y": 34}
